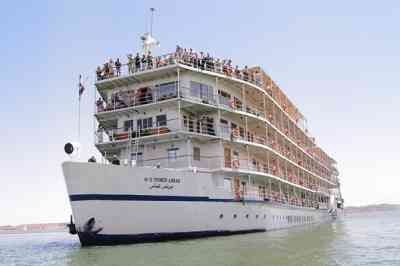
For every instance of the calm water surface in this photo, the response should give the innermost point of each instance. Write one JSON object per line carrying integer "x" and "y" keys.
{"x": 359, "y": 239}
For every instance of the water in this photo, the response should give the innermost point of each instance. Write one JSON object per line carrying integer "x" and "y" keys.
{"x": 359, "y": 239}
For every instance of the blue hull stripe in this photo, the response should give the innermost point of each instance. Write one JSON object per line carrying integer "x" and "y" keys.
{"x": 128, "y": 197}
{"x": 90, "y": 239}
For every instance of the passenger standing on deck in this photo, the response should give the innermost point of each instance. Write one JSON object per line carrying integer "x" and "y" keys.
{"x": 143, "y": 62}
{"x": 137, "y": 62}
{"x": 111, "y": 67}
{"x": 237, "y": 71}
{"x": 149, "y": 60}
{"x": 245, "y": 73}
{"x": 99, "y": 73}
{"x": 106, "y": 70}
{"x": 130, "y": 64}
{"x": 118, "y": 67}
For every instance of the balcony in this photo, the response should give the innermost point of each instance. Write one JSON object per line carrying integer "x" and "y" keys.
{"x": 112, "y": 74}
{"x": 202, "y": 128}
{"x": 139, "y": 97}
{"x": 206, "y": 128}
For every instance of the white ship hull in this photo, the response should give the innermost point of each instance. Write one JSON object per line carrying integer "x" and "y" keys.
{"x": 116, "y": 205}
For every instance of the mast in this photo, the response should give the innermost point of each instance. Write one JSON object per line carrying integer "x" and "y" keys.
{"x": 149, "y": 42}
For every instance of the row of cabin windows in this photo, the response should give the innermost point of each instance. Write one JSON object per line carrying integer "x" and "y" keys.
{"x": 144, "y": 123}
{"x": 172, "y": 154}
{"x": 293, "y": 219}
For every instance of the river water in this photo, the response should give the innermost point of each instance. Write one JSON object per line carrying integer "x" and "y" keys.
{"x": 358, "y": 239}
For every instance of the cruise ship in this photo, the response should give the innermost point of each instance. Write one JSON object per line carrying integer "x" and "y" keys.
{"x": 195, "y": 146}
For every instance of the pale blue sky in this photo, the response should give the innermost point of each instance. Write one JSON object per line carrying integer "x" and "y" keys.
{"x": 338, "y": 61}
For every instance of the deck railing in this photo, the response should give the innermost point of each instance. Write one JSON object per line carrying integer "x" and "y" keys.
{"x": 250, "y": 192}
{"x": 125, "y": 99}
{"x": 204, "y": 127}
{"x": 111, "y": 70}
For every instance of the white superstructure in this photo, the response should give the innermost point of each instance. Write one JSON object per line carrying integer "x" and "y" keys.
{"x": 203, "y": 149}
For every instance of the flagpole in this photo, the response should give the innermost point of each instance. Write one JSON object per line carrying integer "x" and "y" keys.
{"x": 79, "y": 119}
{"x": 79, "y": 107}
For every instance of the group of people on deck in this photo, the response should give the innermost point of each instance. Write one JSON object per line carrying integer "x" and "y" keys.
{"x": 205, "y": 61}
{"x": 109, "y": 69}
{"x": 189, "y": 57}
{"x": 136, "y": 63}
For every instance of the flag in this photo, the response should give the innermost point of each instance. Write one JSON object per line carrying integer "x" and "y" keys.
{"x": 81, "y": 87}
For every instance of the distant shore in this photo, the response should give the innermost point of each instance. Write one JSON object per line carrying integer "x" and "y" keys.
{"x": 372, "y": 208}
{"x": 33, "y": 228}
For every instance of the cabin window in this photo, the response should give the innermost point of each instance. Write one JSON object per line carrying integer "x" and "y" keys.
{"x": 200, "y": 90}
{"x": 137, "y": 158}
{"x": 224, "y": 98}
{"x": 196, "y": 153}
{"x": 227, "y": 185}
{"x": 224, "y": 127}
{"x": 161, "y": 120}
{"x": 145, "y": 123}
{"x": 128, "y": 124}
{"x": 166, "y": 90}
{"x": 172, "y": 154}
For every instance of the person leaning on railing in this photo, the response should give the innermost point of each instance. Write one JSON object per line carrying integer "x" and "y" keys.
{"x": 100, "y": 105}
{"x": 111, "y": 66}
{"x": 137, "y": 62}
{"x": 130, "y": 63}
{"x": 149, "y": 60}
{"x": 203, "y": 61}
{"x": 118, "y": 67}
{"x": 99, "y": 73}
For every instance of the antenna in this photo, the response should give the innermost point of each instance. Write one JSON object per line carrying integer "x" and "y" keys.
{"x": 148, "y": 40}
{"x": 151, "y": 20}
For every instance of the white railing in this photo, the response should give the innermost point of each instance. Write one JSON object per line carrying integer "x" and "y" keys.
{"x": 142, "y": 96}
{"x": 215, "y": 162}
{"x": 198, "y": 126}
{"x": 111, "y": 69}
{"x": 133, "y": 65}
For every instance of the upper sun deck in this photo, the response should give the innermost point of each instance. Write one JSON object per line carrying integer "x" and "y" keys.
{"x": 140, "y": 69}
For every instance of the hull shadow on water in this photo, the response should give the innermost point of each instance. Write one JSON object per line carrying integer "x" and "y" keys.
{"x": 305, "y": 245}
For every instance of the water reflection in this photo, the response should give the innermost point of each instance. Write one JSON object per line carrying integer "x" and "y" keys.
{"x": 299, "y": 246}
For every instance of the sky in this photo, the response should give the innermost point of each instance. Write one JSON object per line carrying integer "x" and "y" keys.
{"x": 338, "y": 61}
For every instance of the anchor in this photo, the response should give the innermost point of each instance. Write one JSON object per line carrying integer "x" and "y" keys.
{"x": 71, "y": 226}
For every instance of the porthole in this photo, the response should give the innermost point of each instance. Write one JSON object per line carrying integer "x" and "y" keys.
{"x": 247, "y": 216}
{"x": 221, "y": 216}
{"x": 256, "y": 216}
{"x": 234, "y": 216}
{"x": 265, "y": 216}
